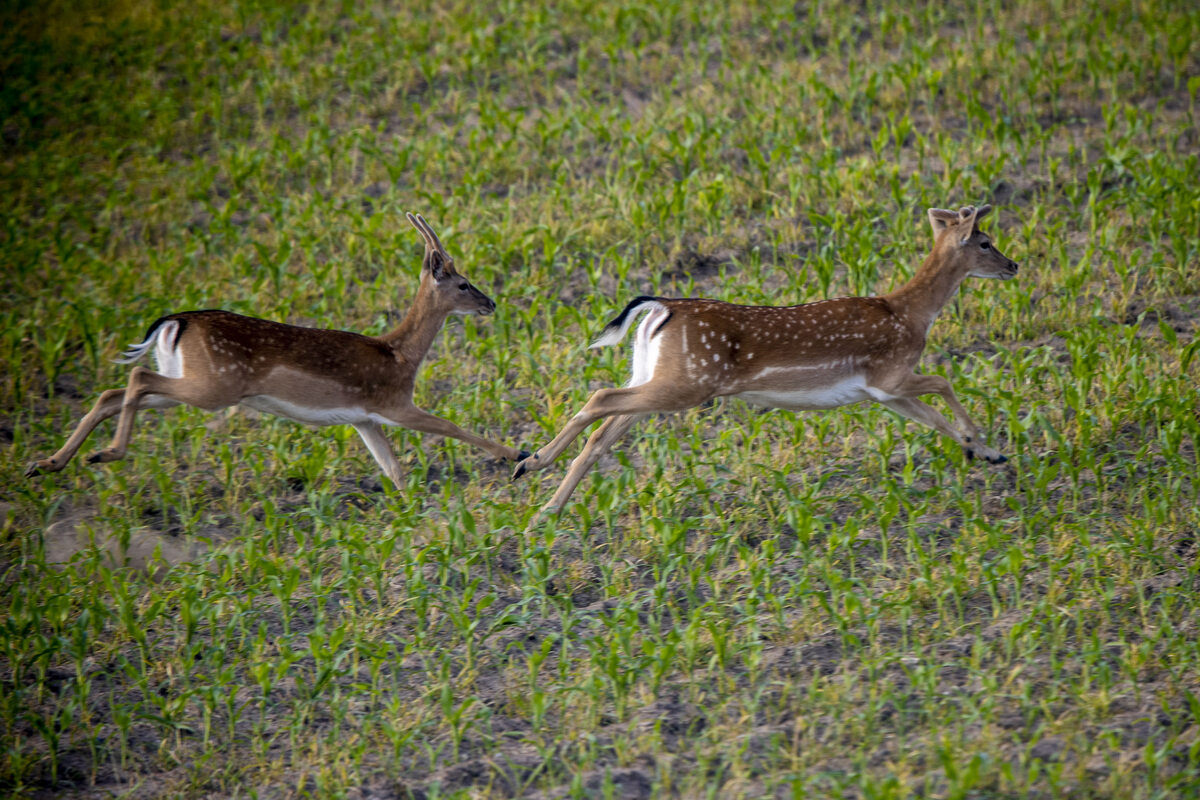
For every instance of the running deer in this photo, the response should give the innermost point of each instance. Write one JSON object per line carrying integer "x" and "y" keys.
{"x": 818, "y": 355}
{"x": 216, "y": 359}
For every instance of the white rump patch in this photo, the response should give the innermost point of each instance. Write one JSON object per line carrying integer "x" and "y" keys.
{"x": 165, "y": 341}
{"x": 168, "y": 356}
{"x": 646, "y": 345}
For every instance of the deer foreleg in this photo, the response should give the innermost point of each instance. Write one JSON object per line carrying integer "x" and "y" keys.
{"x": 419, "y": 420}
{"x": 381, "y": 449}
{"x": 971, "y": 438}
{"x": 920, "y": 412}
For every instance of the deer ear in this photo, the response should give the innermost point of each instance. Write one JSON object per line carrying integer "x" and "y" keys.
{"x": 435, "y": 262}
{"x": 941, "y": 219}
{"x": 979, "y": 214}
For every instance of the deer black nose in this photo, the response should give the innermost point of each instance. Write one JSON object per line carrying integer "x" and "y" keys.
{"x": 1014, "y": 266}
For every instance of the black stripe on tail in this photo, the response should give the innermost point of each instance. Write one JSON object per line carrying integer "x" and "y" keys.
{"x": 634, "y": 303}
{"x": 158, "y": 323}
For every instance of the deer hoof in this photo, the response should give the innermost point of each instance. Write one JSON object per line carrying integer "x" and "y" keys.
{"x": 101, "y": 456}
{"x": 984, "y": 452}
{"x": 523, "y": 467}
{"x": 44, "y": 467}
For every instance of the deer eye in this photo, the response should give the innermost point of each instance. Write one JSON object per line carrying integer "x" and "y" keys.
{"x": 462, "y": 287}
{"x": 985, "y": 246}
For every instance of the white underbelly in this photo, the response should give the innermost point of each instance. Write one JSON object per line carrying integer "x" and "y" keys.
{"x": 830, "y": 395}
{"x": 311, "y": 416}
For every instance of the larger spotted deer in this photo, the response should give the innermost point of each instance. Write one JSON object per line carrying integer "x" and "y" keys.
{"x": 817, "y": 355}
{"x": 215, "y": 359}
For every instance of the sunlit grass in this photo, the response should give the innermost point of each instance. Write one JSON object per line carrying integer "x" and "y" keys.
{"x": 737, "y": 603}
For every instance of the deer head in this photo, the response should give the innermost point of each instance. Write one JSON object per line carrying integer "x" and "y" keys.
{"x": 970, "y": 251}
{"x": 446, "y": 288}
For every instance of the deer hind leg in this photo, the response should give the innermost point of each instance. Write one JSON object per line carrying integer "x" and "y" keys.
{"x": 107, "y": 405}
{"x": 643, "y": 399}
{"x": 148, "y": 389}
{"x": 599, "y": 443}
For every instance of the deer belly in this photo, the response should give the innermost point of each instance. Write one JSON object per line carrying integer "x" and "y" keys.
{"x": 803, "y": 396}
{"x": 309, "y": 416}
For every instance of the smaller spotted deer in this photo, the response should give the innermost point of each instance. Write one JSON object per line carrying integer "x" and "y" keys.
{"x": 215, "y": 359}
{"x": 818, "y": 355}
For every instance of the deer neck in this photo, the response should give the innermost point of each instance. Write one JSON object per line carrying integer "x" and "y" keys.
{"x": 928, "y": 291}
{"x": 412, "y": 338}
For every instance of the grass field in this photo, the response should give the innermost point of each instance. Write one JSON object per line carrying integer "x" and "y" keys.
{"x": 738, "y": 603}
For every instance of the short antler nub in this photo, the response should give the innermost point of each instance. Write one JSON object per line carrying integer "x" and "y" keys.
{"x": 419, "y": 223}
{"x": 431, "y": 239}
